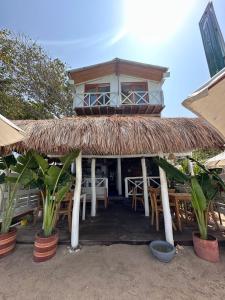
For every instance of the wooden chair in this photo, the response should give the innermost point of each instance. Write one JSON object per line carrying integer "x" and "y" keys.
{"x": 136, "y": 199}
{"x": 65, "y": 209}
{"x": 156, "y": 206}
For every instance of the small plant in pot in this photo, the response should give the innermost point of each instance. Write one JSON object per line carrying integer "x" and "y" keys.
{"x": 14, "y": 173}
{"x": 204, "y": 188}
{"x": 54, "y": 182}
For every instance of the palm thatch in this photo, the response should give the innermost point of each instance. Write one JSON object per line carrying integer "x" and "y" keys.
{"x": 118, "y": 135}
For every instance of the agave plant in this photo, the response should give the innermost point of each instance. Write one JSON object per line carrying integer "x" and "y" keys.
{"x": 54, "y": 183}
{"x": 14, "y": 174}
{"x": 204, "y": 188}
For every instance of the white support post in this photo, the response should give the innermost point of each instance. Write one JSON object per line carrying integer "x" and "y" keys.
{"x": 93, "y": 188}
{"x": 76, "y": 204}
{"x": 119, "y": 177}
{"x": 145, "y": 186}
{"x": 190, "y": 167}
{"x": 166, "y": 207}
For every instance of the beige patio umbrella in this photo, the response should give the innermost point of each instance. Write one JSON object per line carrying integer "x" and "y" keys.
{"x": 217, "y": 161}
{"x": 208, "y": 102}
{"x": 9, "y": 132}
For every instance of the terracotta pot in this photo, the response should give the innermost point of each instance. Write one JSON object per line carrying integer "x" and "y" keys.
{"x": 7, "y": 242}
{"x": 45, "y": 247}
{"x": 206, "y": 249}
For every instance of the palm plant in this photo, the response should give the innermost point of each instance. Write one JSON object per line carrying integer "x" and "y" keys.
{"x": 54, "y": 183}
{"x": 14, "y": 174}
{"x": 204, "y": 188}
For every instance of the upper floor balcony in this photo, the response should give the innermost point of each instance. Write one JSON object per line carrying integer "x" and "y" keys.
{"x": 123, "y": 102}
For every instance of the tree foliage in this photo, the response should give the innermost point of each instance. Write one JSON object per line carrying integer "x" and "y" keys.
{"x": 32, "y": 85}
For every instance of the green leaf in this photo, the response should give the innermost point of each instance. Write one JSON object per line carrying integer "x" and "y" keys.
{"x": 28, "y": 177}
{"x": 171, "y": 171}
{"x": 61, "y": 193}
{"x": 9, "y": 160}
{"x": 52, "y": 176}
{"x": 199, "y": 201}
{"x": 69, "y": 158}
{"x": 43, "y": 164}
{"x": 11, "y": 179}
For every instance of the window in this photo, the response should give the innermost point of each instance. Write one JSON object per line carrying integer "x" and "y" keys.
{"x": 97, "y": 94}
{"x": 134, "y": 92}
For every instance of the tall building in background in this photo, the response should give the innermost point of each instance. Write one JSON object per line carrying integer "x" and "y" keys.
{"x": 212, "y": 40}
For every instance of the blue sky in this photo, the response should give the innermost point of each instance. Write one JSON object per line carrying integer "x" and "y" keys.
{"x": 84, "y": 32}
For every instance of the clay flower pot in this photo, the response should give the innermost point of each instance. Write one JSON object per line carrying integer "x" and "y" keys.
{"x": 45, "y": 247}
{"x": 206, "y": 249}
{"x": 7, "y": 242}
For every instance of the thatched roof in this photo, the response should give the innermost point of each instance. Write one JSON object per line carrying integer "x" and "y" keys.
{"x": 118, "y": 135}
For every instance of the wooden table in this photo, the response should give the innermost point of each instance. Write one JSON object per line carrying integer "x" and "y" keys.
{"x": 177, "y": 198}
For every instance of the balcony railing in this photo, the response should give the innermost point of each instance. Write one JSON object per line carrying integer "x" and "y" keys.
{"x": 137, "y": 182}
{"x": 122, "y": 99}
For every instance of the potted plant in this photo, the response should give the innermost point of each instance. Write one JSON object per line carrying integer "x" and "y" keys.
{"x": 204, "y": 188}
{"x": 54, "y": 182}
{"x": 14, "y": 174}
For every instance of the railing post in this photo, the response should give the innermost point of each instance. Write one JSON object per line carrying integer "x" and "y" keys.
{"x": 126, "y": 187}
{"x": 93, "y": 188}
{"x": 119, "y": 178}
{"x": 145, "y": 186}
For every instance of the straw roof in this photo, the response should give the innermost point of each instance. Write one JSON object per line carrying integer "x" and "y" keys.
{"x": 118, "y": 135}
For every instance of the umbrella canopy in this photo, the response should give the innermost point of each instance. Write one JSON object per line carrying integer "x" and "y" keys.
{"x": 209, "y": 102}
{"x": 118, "y": 135}
{"x": 9, "y": 132}
{"x": 217, "y": 161}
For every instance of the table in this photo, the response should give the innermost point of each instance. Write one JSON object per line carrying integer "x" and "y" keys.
{"x": 176, "y": 198}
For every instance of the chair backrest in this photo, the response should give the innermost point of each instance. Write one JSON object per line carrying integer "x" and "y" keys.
{"x": 66, "y": 202}
{"x": 153, "y": 193}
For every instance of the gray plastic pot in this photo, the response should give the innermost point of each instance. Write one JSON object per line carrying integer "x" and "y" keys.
{"x": 162, "y": 250}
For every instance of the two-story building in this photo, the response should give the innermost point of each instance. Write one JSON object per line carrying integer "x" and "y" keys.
{"x": 119, "y": 87}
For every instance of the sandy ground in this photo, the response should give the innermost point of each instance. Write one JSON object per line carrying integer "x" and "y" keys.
{"x": 113, "y": 272}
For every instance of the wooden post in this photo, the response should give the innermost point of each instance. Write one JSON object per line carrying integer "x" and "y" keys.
{"x": 145, "y": 186}
{"x": 76, "y": 204}
{"x": 166, "y": 207}
{"x": 93, "y": 188}
{"x": 119, "y": 177}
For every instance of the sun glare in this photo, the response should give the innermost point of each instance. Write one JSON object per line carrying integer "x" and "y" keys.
{"x": 155, "y": 21}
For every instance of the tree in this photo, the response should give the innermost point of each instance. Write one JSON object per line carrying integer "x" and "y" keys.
{"x": 32, "y": 85}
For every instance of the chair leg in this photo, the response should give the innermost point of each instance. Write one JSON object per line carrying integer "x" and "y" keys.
{"x": 157, "y": 220}
{"x": 135, "y": 204}
{"x": 220, "y": 218}
{"x": 152, "y": 217}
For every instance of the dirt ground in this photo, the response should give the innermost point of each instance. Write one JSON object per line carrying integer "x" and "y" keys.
{"x": 110, "y": 272}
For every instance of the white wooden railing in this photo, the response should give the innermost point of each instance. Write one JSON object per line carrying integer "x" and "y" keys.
{"x": 25, "y": 201}
{"x": 114, "y": 99}
{"x": 142, "y": 97}
{"x": 99, "y": 182}
{"x": 94, "y": 99}
{"x": 137, "y": 182}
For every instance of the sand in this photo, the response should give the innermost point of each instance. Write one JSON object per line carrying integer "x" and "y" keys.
{"x": 110, "y": 272}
